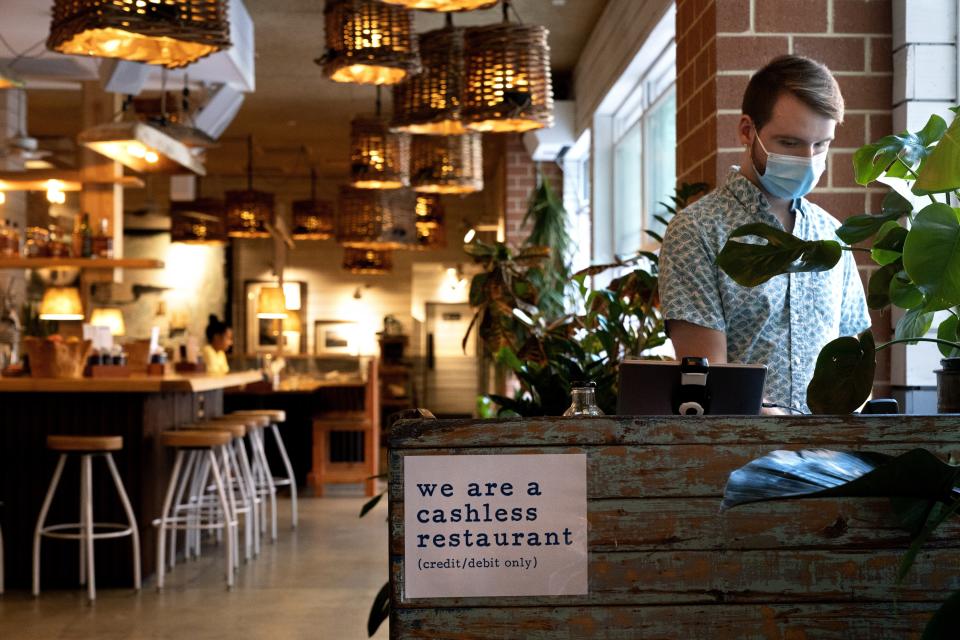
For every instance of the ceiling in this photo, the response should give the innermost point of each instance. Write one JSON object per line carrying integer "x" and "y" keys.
{"x": 294, "y": 108}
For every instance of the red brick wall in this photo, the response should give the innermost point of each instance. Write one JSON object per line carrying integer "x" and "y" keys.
{"x": 720, "y": 43}
{"x": 521, "y": 179}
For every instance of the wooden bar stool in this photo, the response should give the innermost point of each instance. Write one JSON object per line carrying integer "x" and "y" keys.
{"x": 262, "y": 475}
{"x": 198, "y": 448}
{"x": 87, "y": 447}
{"x": 276, "y": 416}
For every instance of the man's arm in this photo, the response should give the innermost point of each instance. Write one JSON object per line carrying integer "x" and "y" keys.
{"x": 693, "y": 340}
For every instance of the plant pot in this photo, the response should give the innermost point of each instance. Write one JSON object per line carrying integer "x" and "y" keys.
{"x": 948, "y": 386}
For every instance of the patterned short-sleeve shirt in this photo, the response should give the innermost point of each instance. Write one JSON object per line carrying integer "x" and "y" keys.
{"x": 782, "y": 323}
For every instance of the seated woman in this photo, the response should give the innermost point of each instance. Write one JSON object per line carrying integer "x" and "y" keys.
{"x": 219, "y": 339}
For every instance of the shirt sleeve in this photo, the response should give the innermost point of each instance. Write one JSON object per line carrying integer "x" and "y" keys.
{"x": 854, "y": 314}
{"x": 688, "y": 276}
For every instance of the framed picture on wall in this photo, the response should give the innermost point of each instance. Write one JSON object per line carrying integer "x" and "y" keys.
{"x": 264, "y": 334}
{"x": 335, "y": 337}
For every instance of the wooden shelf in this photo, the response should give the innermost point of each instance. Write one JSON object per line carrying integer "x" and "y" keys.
{"x": 80, "y": 263}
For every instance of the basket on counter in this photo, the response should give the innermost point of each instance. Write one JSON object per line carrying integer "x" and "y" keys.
{"x": 56, "y": 358}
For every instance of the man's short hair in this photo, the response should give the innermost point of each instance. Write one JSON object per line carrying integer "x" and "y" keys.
{"x": 810, "y": 81}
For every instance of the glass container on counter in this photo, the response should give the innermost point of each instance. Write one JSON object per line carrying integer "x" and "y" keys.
{"x": 583, "y": 396}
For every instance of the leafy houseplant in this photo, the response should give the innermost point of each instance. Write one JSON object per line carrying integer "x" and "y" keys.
{"x": 919, "y": 260}
{"x": 548, "y": 347}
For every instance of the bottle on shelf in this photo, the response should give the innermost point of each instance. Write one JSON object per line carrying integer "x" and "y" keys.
{"x": 86, "y": 237}
{"x": 103, "y": 241}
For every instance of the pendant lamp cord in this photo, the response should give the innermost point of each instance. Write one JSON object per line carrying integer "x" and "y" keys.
{"x": 378, "y": 101}
{"x": 449, "y": 24}
{"x": 250, "y": 162}
{"x": 163, "y": 96}
{"x": 506, "y": 10}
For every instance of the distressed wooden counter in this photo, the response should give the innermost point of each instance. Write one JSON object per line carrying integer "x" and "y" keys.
{"x": 665, "y": 563}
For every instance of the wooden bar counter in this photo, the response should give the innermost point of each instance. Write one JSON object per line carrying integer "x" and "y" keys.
{"x": 137, "y": 408}
{"x": 665, "y": 563}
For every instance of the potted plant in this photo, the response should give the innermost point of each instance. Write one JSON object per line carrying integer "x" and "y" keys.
{"x": 917, "y": 249}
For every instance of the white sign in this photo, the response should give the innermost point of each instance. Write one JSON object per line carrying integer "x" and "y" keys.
{"x": 495, "y": 525}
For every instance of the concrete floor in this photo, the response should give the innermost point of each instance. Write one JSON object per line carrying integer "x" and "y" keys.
{"x": 316, "y": 583}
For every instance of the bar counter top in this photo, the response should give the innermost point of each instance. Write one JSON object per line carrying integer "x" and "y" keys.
{"x": 194, "y": 383}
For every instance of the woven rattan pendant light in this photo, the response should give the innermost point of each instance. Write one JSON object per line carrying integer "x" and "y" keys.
{"x": 172, "y": 33}
{"x": 368, "y": 262}
{"x": 313, "y": 218}
{"x": 447, "y": 164}
{"x": 379, "y": 157}
{"x": 376, "y": 219}
{"x": 508, "y": 85}
{"x": 431, "y": 231}
{"x": 429, "y": 102}
{"x": 444, "y": 5}
{"x": 249, "y": 211}
{"x": 199, "y": 221}
{"x": 369, "y": 42}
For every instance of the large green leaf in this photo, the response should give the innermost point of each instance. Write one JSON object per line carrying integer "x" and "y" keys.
{"x": 843, "y": 377}
{"x": 931, "y": 255}
{"x": 893, "y": 154}
{"x": 878, "y": 289}
{"x": 914, "y": 324}
{"x": 904, "y": 293}
{"x": 379, "y": 610}
{"x": 949, "y": 330}
{"x": 821, "y": 473}
{"x": 858, "y": 228}
{"x": 888, "y": 245}
{"x": 753, "y": 264}
{"x": 941, "y": 170}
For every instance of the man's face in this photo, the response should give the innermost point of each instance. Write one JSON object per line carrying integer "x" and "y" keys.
{"x": 794, "y": 129}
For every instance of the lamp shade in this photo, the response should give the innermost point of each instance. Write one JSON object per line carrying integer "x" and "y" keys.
{"x": 379, "y": 157}
{"x": 248, "y": 213}
{"x": 429, "y": 102}
{"x": 376, "y": 219}
{"x": 431, "y": 231}
{"x": 369, "y": 42}
{"x": 312, "y": 220}
{"x": 199, "y": 221}
{"x": 110, "y": 317}
{"x": 508, "y": 83}
{"x": 369, "y": 262}
{"x": 141, "y": 147}
{"x": 447, "y": 164}
{"x": 172, "y": 33}
{"x": 61, "y": 303}
{"x": 444, "y": 5}
{"x": 271, "y": 304}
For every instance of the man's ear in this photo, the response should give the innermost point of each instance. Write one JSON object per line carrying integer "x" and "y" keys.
{"x": 745, "y": 130}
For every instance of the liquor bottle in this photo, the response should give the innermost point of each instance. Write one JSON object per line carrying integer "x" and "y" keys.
{"x": 103, "y": 242}
{"x": 86, "y": 237}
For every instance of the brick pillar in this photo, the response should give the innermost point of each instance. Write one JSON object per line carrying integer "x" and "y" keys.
{"x": 520, "y": 183}
{"x": 720, "y": 43}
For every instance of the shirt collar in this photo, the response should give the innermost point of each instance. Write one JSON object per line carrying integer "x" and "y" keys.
{"x": 751, "y": 197}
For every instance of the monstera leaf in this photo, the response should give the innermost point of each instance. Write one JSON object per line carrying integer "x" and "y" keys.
{"x": 753, "y": 264}
{"x": 843, "y": 377}
{"x": 822, "y": 473}
{"x": 896, "y": 155}
{"x": 941, "y": 170}
{"x": 858, "y": 228}
{"x": 931, "y": 255}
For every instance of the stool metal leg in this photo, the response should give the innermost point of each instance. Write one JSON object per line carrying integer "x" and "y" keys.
{"x": 290, "y": 477}
{"x": 1, "y": 561}
{"x": 261, "y": 452}
{"x": 181, "y": 487}
{"x": 247, "y": 474}
{"x": 42, "y": 519}
{"x": 228, "y": 516}
{"x": 135, "y": 533}
{"x": 86, "y": 506}
{"x": 161, "y": 529}
{"x": 83, "y": 547}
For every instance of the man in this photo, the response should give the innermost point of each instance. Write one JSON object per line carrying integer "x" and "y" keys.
{"x": 790, "y": 109}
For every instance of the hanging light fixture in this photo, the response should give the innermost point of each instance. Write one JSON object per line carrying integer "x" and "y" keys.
{"x": 379, "y": 157}
{"x": 376, "y": 219}
{"x": 370, "y": 262}
{"x": 444, "y": 5}
{"x": 312, "y": 219}
{"x": 61, "y": 303}
{"x": 249, "y": 211}
{"x": 199, "y": 221}
{"x": 271, "y": 304}
{"x": 429, "y": 102}
{"x": 368, "y": 42}
{"x": 110, "y": 317}
{"x": 508, "y": 85}
{"x": 447, "y": 164}
{"x": 172, "y": 33}
{"x": 142, "y": 147}
{"x": 431, "y": 232}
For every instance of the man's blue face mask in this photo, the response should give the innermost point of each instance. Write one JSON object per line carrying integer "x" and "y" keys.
{"x": 790, "y": 177}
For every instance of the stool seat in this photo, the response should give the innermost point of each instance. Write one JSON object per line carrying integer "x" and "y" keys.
{"x": 250, "y": 422}
{"x": 274, "y": 415}
{"x": 85, "y": 443}
{"x": 195, "y": 438}
{"x": 255, "y": 420}
{"x": 236, "y": 429}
